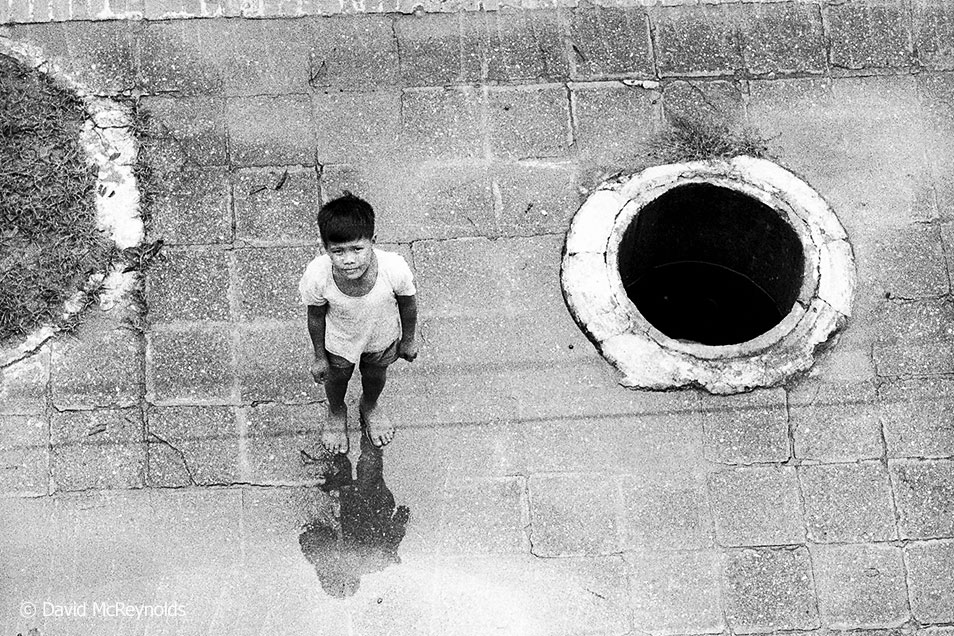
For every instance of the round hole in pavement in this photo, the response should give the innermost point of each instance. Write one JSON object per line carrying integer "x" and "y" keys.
{"x": 726, "y": 274}
{"x": 708, "y": 264}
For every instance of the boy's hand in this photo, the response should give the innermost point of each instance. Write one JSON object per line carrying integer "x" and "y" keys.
{"x": 319, "y": 369}
{"x": 407, "y": 349}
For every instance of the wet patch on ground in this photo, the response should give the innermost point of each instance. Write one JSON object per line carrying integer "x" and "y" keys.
{"x": 369, "y": 528}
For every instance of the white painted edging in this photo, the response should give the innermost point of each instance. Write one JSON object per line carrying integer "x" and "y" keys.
{"x": 649, "y": 359}
{"x": 111, "y": 148}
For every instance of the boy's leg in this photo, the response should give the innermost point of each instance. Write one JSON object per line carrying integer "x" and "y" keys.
{"x": 373, "y": 379}
{"x": 334, "y": 433}
{"x": 374, "y": 375}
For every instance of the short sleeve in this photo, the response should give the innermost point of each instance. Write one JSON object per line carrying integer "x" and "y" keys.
{"x": 311, "y": 287}
{"x": 402, "y": 280}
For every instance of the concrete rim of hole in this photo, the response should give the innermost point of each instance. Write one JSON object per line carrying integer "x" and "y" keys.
{"x": 596, "y": 298}
{"x": 111, "y": 148}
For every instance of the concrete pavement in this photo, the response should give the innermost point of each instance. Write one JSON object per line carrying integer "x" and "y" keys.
{"x": 165, "y": 468}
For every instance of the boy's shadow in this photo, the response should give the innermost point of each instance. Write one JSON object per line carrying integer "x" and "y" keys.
{"x": 371, "y": 527}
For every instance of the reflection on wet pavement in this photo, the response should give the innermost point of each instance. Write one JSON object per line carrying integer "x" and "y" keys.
{"x": 370, "y": 527}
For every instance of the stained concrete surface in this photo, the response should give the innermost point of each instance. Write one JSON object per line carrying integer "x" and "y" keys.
{"x": 176, "y": 471}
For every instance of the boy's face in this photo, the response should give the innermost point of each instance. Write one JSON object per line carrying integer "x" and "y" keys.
{"x": 352, "y": 258}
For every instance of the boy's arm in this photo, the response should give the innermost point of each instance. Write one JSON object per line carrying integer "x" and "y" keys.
{"x": 316, "y": 329}
{"x": 407, "y": 308}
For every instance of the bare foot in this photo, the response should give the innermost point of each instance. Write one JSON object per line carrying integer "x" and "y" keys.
{"x": 334, "y": 432}
{"x": 380, "y": 429}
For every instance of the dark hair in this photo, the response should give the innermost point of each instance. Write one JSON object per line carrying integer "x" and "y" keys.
{"x": 347, "y": 218}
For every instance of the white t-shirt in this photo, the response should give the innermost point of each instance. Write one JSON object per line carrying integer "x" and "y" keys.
{"x": 355, "y": 324}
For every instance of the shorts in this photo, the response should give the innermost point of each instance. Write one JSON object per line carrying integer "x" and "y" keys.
{"x": 368, "y": 358}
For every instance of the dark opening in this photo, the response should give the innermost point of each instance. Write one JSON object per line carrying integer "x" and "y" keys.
{"x": 711, "y": 265}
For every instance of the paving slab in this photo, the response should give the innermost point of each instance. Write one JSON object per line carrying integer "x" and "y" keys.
{"x": 916, "y": 418}
{"x": 195, "y": 208}
{"x": 523, "y": 592}
{"x": 276, "y": 206}
{"x": 24, "y": 455}
{"x": 848, "y": 502}
{"x": 477, "y": 277}
{"x": 914, "y": 338}
{"x": 933, "y": 24}
{"x": 190, "y": 285}
{"x": 613, "y": 122}
{"x": 851, "y": 138}
{"x": 182, "y": 56}
{"x": 934, "y": 92}
{"x": 851, "y": 361}
{"x": 273, "y": 361}
{"x": 860, "y": 586}
{"x": 747, "y": 429}
{"x": 196, "y": 125}
{"x": 526, "y": 45}
{"x": 275, "y": 436}
{"x": 524, "y": 595}
{"x": 535, "y": 197}
{"x": 610, "y": 42}
{"x": 573, "y": 391}
{"x": 266, "y": 282}
{"x": 429, "y": 199}
{"x": 572, "y": 516}
{"x": 162, "y": 158}
{"x": 97, "y": 449}
{"x": 468, "y": 516}
{"x": 270, "y": 130}
{"x": 770, "y": 589}
{"x": 908, "y": 263}
{"x": 190, "y": 365}
{"x": 923, "y": 492}
{"x": 784, "y": 38}
{"x": 192, "y": 446}
{"x": 835, "y": 421}
{"x": 163, "y": 9}
{"x": 97, "y": 54}
{"x": 354, "y": 54}
{"x": 590, "y": 447}
{"x": 272, "y": 519}
{"x": 442, "y": 123}
{"x": 440, "y": 48}
{"x": 756, "y": 506}
{"x": 529, "y": 123}
{"x": 353, "y": 127}
{"x": 23, "y": 385}
{"x": 695, "y": 40}
{"x": 267, "y": 57}
{"x": 459, "y": 343}
{"x": 100, "y": 364}
{"x": 665, "y": 512}
{"x": 716, "y": 101}
{"x": 930, "y": 567}
{"x": 869, "y": 35}
{"x": 676, "y": 593}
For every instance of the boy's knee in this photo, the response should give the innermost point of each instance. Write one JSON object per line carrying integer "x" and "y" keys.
{"x": 340, "y": 373}
{"x": 374, "y": 370}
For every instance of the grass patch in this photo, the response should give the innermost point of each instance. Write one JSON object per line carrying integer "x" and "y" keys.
{"x": 691, "y": 139}
{"x": 49, "y": 244}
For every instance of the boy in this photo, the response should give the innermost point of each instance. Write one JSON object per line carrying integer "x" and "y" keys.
{"x": 362, "y": 311}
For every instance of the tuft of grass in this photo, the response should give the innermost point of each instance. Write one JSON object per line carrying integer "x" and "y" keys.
{"x": 690, "y": 139}
{"x": 144, "y": 256}
{"x": 49, "y": 243}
